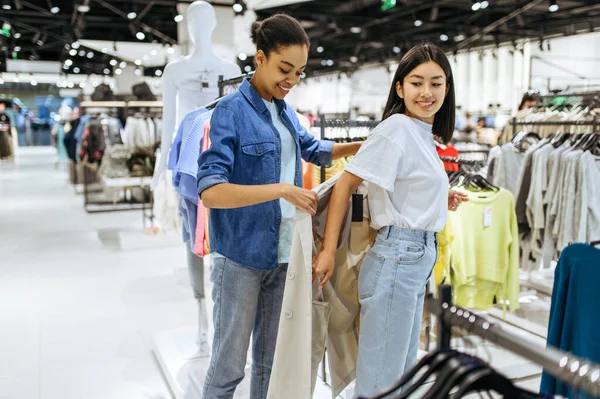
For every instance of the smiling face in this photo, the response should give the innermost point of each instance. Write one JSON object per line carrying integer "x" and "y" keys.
{"x": 423, "y": 91}
{"x": 280, "y": 71}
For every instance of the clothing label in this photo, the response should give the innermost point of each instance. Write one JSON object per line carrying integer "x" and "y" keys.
{"x": 357, "y": 207}
{"x": 487, "y": 216}
{"x": 205, "y": 80}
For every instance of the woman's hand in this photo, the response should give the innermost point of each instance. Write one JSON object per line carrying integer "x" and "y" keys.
{"x": 323, "y": 265}
{"x": 301, "y": 198}
{"x": 455, "y": 198}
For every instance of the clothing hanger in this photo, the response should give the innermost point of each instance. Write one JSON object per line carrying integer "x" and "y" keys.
{"x": 452, "y": 374}
{"x": 594, "y": 243}
{"x": 490, "y": 380}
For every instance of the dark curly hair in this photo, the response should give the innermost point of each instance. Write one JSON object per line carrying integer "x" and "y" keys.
{"x": 277, "y": 31}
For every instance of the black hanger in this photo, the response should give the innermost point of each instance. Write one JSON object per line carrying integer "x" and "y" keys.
{"x": 594, "y": 243}
{"x": 452, "y": 374}
{"x": 487, "y": 379}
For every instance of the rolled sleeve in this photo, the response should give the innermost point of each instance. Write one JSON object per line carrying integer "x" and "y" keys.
{"x": 215, "y": 165}
{"x": 312, "y": 150}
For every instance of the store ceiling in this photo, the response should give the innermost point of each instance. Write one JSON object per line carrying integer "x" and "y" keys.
{"x": 350, "y": 33}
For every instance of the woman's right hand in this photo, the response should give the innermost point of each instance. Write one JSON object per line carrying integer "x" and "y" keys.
{"x": 323, "y": 265}
{"x": 301, "y": 198}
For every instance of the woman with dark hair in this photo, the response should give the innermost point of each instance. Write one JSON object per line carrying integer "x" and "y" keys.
{"x": 251, "y": 178}
{"x": 408, "y": 202}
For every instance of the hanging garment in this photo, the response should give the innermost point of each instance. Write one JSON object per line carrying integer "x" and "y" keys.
{"x": 441, "y": 270}
{"x": 574, "y": 315}
{"x": 448, "y": 151}
{"x": 485, "y": 251}
{"x": 115, "y": 162}
{"x": 70, "y": 141}
{"x": 5, "y": 143}
{"x": 92, "y": 143}
{"x": 202, "y": 212}
{"x": 305, "y": 311}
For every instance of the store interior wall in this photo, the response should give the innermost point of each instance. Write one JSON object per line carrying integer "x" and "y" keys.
{"x": 566, "y": 64}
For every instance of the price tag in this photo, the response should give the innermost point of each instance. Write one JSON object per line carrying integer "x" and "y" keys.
{"x": 487, "y": 216}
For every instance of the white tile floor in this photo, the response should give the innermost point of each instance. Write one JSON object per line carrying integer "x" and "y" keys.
{"x": 78, "y": 312}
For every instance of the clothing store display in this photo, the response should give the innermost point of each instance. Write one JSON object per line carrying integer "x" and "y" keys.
{"x": 407, "y": 176}
{"x": 485, "y": 251}
{"x": 5, "y": 136}
{"x": 92, "y": 143}
{"x": 115, "y": 162}
{"x": 140, "y": 132}
{"x": 244, "y": 152}
{"x": 202, "y": 212}
{"x": 141, "y": 162}
{"x": 250, "y": 302}
{"x": 313, "y": 319}
{"x": 103, "y": 93}
{"x": 448, "y": 151}
{"x": 287, "y": 175}
{"x": 574, "y": 316}
{"x": 337, "y": 166}
{"x": 505, "y": 167}
{"x": 142, "y": 92}
{"x": 70, "y": 141}
{"x": 441, "y": 271}
{"x": 196, "y": 272}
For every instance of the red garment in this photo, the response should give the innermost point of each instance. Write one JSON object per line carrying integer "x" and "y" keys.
{"x": 449, "y": 151}
{"x": 202, "y": 215}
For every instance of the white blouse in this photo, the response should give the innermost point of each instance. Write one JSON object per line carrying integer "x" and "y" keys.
{"x": 410, "y": 186}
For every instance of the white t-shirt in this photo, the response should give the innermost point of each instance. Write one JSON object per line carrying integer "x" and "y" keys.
{"x": 409, "y": 186}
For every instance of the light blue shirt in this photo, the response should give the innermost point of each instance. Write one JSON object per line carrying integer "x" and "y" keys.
{"x": 287, "y": 175}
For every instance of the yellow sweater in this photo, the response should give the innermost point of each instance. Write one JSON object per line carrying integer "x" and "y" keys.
{"x": 485, "y": 251}
{"x": 441, "y": 271}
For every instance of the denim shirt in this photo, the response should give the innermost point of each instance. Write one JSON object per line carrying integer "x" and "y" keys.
{"x": 246, "y": 149}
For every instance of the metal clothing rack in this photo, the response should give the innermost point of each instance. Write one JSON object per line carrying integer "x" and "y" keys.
{"x": 223, "y": 83}
{"x": 469, "y": 162}
{"x": 595, "y": 122}
{"x": 570, "y": 369}
{"x": 324, "y": 123}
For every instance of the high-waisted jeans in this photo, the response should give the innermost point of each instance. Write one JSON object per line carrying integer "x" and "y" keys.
{"x": 391, "y": 286}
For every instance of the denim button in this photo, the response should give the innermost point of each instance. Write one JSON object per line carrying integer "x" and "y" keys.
{"x": 291, "y": 275}
{"x": 288, "y": 314}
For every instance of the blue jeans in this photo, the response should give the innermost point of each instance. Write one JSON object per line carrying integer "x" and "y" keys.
{"x": 247, "y": 302}
{"x": 391, "y": 287}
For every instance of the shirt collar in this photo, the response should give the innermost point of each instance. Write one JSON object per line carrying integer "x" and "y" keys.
{"x": 256, "y": 100}
{"x": 424, "y": 128}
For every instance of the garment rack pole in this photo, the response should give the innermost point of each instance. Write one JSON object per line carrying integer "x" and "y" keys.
{"x": 575, "y": 371}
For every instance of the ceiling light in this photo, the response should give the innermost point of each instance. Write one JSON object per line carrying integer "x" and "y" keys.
{"x": 178, "y": 18}
{"x": 138, "y": 71}
{"x": 356, "y": 29}
{"x": 242, "y": 56}
{"x": 320, "y": 49}
{"x": 323, "y": 62}
{"x": 33, "y": 82}
{"x": 444, "y": 37}
{"x": 90, "y": 55}
{"x": 237, "y": 7}
{"x": 82, "y": 85}
{"x": 70, "y": 85}
{"x": 123, "y": 64}
{"x": 476, "y": 5}
{"x": 1, "y": 81}
{"x": 65, "y": 67}
{"x": 55, "y": 10}
{"x": 158, "y": 72}
{"x": 16, "y": 79}
{"x": 418, "y": 23}
{"x": 329, "y": 62}
{"x": 75, "y": 45}
{"x": 104, "y": 50}
{"x": 354, "y": 59}
{"x": 6, "y": 5}
{"x": 553, "y": 6}
{"x": 113, "y": 62}
{"x": 138, "y": 62}
{"x": 140, "y": 35}
{"x": 170, "y": 50}
{"x": 118, "y": 71}
{"x": 247, "y": 68}
{"x": 73, "y": 52}
{"x": 96, "y": 83}
{"x": 17, "y": 35}
{"x": 81, "y": 53}
{"x": 69, "y": 62}
{"x": 153, "y": 52}
{"x": 131, "y": 15}
{"x": 83, "y": 8}
{"x": 76, "y": 70}
{"x": 459, "y": 38}
{"x": 396, "y": 49}
{"x": 485, "y": 4}
{"x": 106, "y": 71}
{"x": 17, "y": 49}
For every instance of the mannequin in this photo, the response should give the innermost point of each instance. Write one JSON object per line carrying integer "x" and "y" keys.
{"x": 189, "y": 83}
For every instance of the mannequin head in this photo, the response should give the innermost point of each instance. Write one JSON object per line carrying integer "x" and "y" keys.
{"x": 201, "y": 21}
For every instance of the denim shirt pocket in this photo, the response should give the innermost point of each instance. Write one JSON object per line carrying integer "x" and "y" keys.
{"x": 258, "y": 162}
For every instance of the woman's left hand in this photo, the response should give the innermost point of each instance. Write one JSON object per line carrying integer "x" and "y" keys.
{"x": 455, "y": 198}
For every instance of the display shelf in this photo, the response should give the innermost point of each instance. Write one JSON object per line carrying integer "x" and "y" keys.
{"x": 103, "y": 104}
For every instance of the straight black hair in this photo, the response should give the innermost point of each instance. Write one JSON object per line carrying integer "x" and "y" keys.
{"x": 443, "y": 122}
{"x": 277, "y": 31}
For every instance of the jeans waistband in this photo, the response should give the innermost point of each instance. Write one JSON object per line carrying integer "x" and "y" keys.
{"x": 396, "y": 232}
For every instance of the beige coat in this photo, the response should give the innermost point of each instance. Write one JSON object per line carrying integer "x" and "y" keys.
{"x": 312, "y": 319}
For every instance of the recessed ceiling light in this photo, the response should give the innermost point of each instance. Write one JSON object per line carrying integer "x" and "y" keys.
{"x": 153, "y": 52}
{"x": 320, "y": 49}
{"x": 75, "y": 45}
{"x": 356, "y": 29}
{"x": 33, "y": 82}
{"x": 90, "y": 55}
{"x": 138, "y": 62}
{"x": 171, "y": 50}
{"x": 396, "y": 49}
{"x": 353, "y": 59}
{"x": 444, "y": 37}
{"x": 69, "y": 62}
{"x": 76, "y": 70}
{"x": 476, "y": 6}
{"x": 485, "y": 4}
{"x": 73, "y": 52}
{"x": 118, "y": 71}
{"x": 106, "y": 71}
{"x": 17, "y": 35}
{"x": 70, "y": 85}
{"x": 140, "y": 35}
{"x": 123, "y": 64}
{"x": 178, "y": 18}
{"x": 131, "y": 15}
{"x": 55, "y": 10}
{"x": 324, "y": 62}
{"x": 83, "y": 8}
{"x": 158, "y": 72}
{"x": 242, "y": 56}
{"x": 82, "y": 85}
{"x": 113, "y": 62}
{"x": 329, "y": 62}
{"x": 138, "y": 71}
{"x": 17, "y": 49}
{"x": 237, "y": 7}
{"x": 247, "y": 68}
{"x": 418, "y": 23}
{"x": 81, "y": 53}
